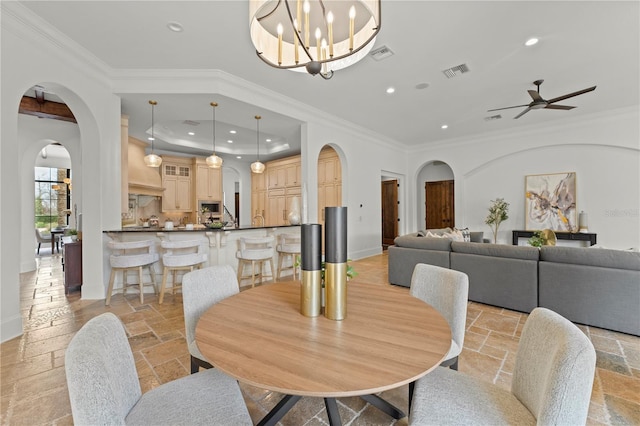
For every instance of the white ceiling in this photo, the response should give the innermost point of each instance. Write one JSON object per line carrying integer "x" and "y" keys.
{"x": 582, "y": 44}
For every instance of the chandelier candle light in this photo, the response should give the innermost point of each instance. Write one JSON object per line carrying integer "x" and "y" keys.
{"x": 344, "y": 32}
{"x": 152, "y": 160}
{"x": 335, "y": 243}
{"x": 213, "y": 160}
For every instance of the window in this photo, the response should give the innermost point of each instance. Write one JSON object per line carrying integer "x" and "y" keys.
{"x": 52, "y": 197}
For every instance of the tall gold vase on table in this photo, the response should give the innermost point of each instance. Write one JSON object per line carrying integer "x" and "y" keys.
{"x": 335, "y": 253}
{"x": 311, "y": 265}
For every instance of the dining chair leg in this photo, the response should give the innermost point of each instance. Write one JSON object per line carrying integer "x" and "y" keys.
{"x": 141, "y": 285}
{"x": 273, "y": 270}
{"x": 280, "y": 261}
{"x": 39, "y": 244}
{"x": 112, "y": 278}
{"x": 163, "y": 285}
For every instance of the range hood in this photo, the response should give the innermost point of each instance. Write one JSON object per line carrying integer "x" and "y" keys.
{"x": 143, "y": 180}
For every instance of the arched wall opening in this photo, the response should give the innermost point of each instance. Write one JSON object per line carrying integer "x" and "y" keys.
{"x": 431, "y": 174}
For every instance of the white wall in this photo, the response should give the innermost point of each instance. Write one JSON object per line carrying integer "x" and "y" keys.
{"x": 604, "y": 151}
{"x": 25, "y": 47}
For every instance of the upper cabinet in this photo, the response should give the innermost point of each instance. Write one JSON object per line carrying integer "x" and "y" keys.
{"x": 284, "y": 173}
{"x": 208, "y": 182}
{"x": 177, "y": 183}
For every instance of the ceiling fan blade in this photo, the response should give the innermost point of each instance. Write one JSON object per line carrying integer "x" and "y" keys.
{"x": 535, "y": 96}
{"x": 551, "y": 106}
{"x": 522, "y": 113}
{"x": 571, "y": 95}
{"x": 516, "y": 106}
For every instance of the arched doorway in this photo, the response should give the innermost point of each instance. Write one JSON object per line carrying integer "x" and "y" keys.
{"x": 329, "y": 181}
{"x": 436, "y": 192}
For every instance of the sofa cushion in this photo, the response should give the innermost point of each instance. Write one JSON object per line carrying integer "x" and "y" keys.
{"x": 605, "y": 258}
{"x": 496, "y": 250}
{"x": 427, "y": 243}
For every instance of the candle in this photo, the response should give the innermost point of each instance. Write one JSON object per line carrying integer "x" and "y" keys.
{"x": 324, "y": 56}
{"x": 318, "y": 35}
{"x": 330, "y": 24}
{"x": 280, "y": 44}
{"x": 295, "y": 39}
{"x": 306, "y": 7}
{"x": 352, "y": 17}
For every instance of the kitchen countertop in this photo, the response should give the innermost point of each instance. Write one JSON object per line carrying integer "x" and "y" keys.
{"x": 128, "y": 229}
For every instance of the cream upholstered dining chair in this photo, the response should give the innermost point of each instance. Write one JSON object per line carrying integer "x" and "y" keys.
{"x": 288, "y": 246}
{"x": 551, "y": 383}
{"x": 44, "y": 238}
{"x": 104, "y": 387}
{"x": 179, "y": 256}
{"x": 131, "y": 255}
{"x": 251, "y": 251}
{"x": 201, "y": 289}
{"x": 447, "y": 291}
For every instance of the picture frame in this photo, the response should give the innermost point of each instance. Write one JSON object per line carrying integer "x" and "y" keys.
{"x": 550, "y": 202}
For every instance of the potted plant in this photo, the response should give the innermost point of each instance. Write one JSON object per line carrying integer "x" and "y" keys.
{"x": 536, "y": 240}
{"x": 498, "y": 212}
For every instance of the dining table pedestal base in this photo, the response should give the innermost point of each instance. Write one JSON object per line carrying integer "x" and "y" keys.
{"x": 287, "y": 403}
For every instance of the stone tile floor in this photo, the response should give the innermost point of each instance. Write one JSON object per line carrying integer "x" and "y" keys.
{"x": 33, "y": 384}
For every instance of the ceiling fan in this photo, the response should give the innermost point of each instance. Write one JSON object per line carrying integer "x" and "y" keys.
{"x": 539, "y": 103}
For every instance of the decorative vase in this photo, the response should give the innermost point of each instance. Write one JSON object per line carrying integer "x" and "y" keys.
{"x": 311, "y": 266}
{"x": 294, "y": 214}
{"x": 335, "y": 275}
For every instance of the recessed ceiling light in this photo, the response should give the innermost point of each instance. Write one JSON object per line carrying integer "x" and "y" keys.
{"x": 233, "y": 132}
{"x": 390, "y": 90}
{"x": 229, "y": 141}
{"x": 151, "y": 139}
{"x": 239, "y": 157}
{"x": 175, "y": 27}
{"x": 444, "y": 126}
{"x": 191, "y": 134}
{"x": 531, "y": 41}
{"x": 268, "y": 140}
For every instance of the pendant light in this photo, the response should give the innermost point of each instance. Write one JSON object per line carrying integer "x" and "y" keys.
{"x": 213, "y": 160}
{"x": 152, "y": 160}
{"x": 257, "y": 166}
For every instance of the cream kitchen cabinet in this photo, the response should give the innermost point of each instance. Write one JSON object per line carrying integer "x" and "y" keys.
{"x": 177, "y": 183}
{"x": 208, "y": 182}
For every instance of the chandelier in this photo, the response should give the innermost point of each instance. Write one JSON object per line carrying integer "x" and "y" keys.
{"x": 257, "y": 166}
{"x": 152, "y": 160}
{"x": 319, "y": 36}
{"x": 213, "y": 160}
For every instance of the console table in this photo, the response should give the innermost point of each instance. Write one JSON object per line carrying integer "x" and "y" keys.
{"x": 573, "y": 236}
{"x": 72, "y": 263}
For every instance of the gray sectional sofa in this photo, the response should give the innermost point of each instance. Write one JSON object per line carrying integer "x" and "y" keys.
{"x": 592, "y": 286}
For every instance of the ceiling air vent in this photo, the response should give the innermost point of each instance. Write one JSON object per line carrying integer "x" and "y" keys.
{"x": 455, "y": 71}
{"x": 191, "y": 123}
{"x": 381, "y": 53}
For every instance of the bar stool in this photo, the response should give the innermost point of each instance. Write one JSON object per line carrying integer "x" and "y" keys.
{"x": 131, "y": 255}
{"x": 179, "y": 256}
{"x": 254, "y": 250}
{"x": 289, "y": 246}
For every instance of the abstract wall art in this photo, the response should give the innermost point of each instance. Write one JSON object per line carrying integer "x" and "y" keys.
{"x": 550, "y": 202}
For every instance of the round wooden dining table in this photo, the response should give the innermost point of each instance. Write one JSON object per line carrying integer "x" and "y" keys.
{"x": 388, "y": 339}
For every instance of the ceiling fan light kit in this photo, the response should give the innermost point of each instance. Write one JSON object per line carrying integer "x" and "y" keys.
{"x": 539, "y": 103}
{"x": 316, "y": 36}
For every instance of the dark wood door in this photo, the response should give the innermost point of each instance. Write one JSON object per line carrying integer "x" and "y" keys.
{"x": 440, "y": 212}
{"x": 389, "y": 211}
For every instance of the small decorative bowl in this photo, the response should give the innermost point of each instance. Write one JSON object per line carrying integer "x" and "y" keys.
{"x": 216, "y": 225}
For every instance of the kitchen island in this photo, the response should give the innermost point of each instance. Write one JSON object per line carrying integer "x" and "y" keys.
{"x": 220, "y": 244}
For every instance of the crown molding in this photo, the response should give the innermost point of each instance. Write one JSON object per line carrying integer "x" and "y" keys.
{"x": 27, "y": 26}
{"x": 217, "y": 81}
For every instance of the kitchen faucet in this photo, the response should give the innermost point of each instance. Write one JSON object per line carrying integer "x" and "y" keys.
{"x": 258, "y": 216}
